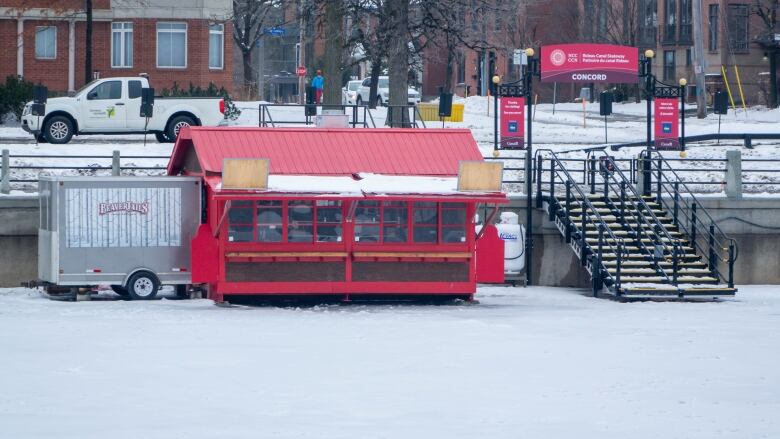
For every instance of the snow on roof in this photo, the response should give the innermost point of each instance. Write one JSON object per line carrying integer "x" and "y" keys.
{"x": 366, "y": 184}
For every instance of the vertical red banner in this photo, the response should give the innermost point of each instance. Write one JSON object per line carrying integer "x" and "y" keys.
{"x": 512, "y": 121}
{"x": 667, "y": 124}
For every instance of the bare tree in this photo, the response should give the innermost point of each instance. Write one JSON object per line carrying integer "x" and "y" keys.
{"x": 371, "y": 34}
{"x": 398, "y": 61}
{"x": 334, "y": 51}
{"x": 250, "y": 18}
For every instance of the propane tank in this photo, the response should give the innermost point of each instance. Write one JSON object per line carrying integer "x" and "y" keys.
{"x": 513, "y": 235}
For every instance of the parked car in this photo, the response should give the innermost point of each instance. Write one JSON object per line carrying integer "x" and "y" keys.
{"x": 349, "y": 92}
{"x": 113, "y": 106}
{"x": 383, "y": 92}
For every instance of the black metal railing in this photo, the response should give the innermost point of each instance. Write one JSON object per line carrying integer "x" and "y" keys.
{"x": 591, "y": 256}
{"x": 359, "y": 115}
{"x": 691, "y": 217}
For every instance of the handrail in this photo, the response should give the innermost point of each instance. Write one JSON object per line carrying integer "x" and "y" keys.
{"x": 615, "y": 244}
{"x": 717, "y": 240}
{"x": 672, "y": 245}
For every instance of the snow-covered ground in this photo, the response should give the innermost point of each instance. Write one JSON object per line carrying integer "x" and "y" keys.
{"x": 561, "y": 131}
{"x": 531, "y": 363}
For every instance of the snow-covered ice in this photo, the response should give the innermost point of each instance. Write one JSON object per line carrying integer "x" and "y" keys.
{"x": 524, "y": 363}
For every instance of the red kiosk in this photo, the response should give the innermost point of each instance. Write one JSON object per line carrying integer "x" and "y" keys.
{"x": 349, "y": 212}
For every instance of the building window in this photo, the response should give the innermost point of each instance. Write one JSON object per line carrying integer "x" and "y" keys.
{"x": 686, "y": 26}
{"x": 367, "y": 221}
{"x": 648, "y": 23}
{"x": 300, "y": 221}
{"x": 328, "y": 224}
{"x": 240, "y": 222}
{"x": 670, "y": 23}
{"x": 453, "y": 222}
{"x": 713, "y": 28}
{"x": 738, "y": 28}
{"x": 46, "y": 42}
{"x": 216, "y": 46}
{"x": 688, "y": 57}
{"x": 425, "y": 218}
{"x": 269, "y": 221}
{"x": 172, "y": 45}
{"x": 669, "y": 67}
{"x": 121, "y": 45}
{"x": 395, "y": 221}
{"x": 461, "y": 74}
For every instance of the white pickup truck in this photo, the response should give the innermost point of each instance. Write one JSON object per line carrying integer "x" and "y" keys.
{"x": 113, "y": 106}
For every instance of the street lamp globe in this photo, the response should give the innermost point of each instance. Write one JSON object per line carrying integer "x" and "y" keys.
{"x": 496, "y": 79}
{"x": 683, "y": 82}
{"x": 649, "y": 54}
{"x": 529, "y": 52}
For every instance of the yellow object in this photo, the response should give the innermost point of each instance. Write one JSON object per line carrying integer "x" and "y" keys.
{"x": 529, "y": 51}
{"x": 683, "y": 154}
{"x": 739, "y": 85}
{"x": 496, "y": 153}
{"x": 245, "y": 173}
{"x": 479, "y": 176}
{"x": 683, "y": 82}
{"x": 728, "y": 89}
{"x": 649, "y": 53}
{"x": 496, "y": 79}
{"x": 430, "y": 112}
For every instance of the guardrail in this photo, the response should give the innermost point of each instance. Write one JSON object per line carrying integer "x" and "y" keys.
{"x": 12, "y": 167}
{"x": 747, "y": 138}
{"x": 265, "y": 118}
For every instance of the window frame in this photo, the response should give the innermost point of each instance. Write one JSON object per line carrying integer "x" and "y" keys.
{"x": 736, "y": 43}
{"x": 221, "y": 34}
{"x": 669, "y": 69}
{"x": 713, "y": 36}
{"x": 123, "y": 34}
{"x": 185, "y": 31}
{"x": 102, "y": 84}
{"x": 54, "y": 56}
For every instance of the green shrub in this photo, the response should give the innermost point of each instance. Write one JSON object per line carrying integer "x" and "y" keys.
{"x": 13, "y": 95}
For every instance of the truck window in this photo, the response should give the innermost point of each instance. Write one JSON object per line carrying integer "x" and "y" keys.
{"x": 134, "y": 89}
{"x": 106, "y": 90}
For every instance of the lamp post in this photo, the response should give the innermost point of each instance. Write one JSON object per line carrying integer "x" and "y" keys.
{"x": 647, "y": 64}
{"x": 528, "y": 89}
{"x": 683, "y": 83}
{"x": 496, "y": 80}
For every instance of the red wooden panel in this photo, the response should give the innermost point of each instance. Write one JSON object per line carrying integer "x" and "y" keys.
{"x": 490, "y": 257}
{"x": 204, "y": 256}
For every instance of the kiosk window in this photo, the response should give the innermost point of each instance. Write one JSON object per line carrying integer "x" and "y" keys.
{"x": 240, "y": 228}
{"x": 395, "y": 225}
{"x": 328, "y": 221}
{"x": 426, "y": 218}
{"x": 453, "y": 222}
{"x": 300, "y": 221}
{"x": 269, "y": 221}
{"x": 367, "y": 221}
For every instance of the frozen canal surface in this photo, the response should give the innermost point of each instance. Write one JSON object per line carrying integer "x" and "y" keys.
{"x": 524, "y": 363}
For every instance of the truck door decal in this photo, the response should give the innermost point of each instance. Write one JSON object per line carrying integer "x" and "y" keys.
{"x": 123, "y": 217}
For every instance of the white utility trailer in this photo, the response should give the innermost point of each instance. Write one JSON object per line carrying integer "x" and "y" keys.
{"x": 132, "y": 233}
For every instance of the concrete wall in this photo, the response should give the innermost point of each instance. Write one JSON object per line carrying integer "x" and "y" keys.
{"x": 18, "y": 240}
{"x": 555, "y": 264}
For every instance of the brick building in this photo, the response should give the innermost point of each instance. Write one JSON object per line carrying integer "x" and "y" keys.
{"x": 44, "y": 41}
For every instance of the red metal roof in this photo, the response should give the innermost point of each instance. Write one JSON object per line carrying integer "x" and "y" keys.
{"x": 316, "y": 151}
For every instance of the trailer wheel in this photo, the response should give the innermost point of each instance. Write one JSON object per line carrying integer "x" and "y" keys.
{"x": 122, "y": 291}
{"x": 143, "y": 285}
{"x": 182, "y": 292}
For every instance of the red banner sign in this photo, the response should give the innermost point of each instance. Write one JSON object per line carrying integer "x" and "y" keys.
{"x": 511, "y": 120}
{"x": 300, "y": 71}
{"x": 667, "y": 124}
{"x": 585, "y": 63}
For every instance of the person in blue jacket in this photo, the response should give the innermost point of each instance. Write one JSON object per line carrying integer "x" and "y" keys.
{"x": 318, "y": 82}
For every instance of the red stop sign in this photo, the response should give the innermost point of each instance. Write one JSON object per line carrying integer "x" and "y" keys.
{"x": 300, "y": 71}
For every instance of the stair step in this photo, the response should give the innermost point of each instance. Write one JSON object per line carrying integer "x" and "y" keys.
{"x": 613, "y": 218}
{"x": 634, "y": 262}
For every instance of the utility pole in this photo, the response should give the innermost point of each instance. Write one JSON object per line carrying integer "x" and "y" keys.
{"x": 88, "y": 43}
{"x": 303, "y": 13}
{"x": 261, "y": 69}
{"x": 700, "y": 65}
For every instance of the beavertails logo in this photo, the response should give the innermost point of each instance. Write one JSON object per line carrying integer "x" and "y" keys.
{"x": 124, "y": 206}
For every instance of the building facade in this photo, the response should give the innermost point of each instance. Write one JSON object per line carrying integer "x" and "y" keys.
{"x": 44, "y": 42}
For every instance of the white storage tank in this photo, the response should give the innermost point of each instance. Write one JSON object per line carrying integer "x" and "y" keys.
{"x": 513, "y": 235}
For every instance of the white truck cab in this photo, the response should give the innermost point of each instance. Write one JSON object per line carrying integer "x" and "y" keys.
{"x": 113, "y": 106}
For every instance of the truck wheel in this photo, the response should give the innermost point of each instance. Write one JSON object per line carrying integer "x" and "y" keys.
{"x": 162, "y": 138}
{"x": 122, "y": 291}
{"x": 143, "y": 286}
{"x": 176, "y": 124}
{"x": 58, "y": 130}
